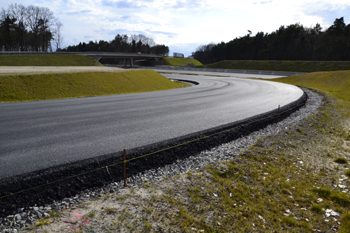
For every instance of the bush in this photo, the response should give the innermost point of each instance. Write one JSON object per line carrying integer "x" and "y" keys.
{"x": 345, "y": 225}
{"x": 317, "y": 209}
{"x": 347, "y": 173}
{"x": 289, "y": 221}
{"x": 323, "y": 192}
{"x": 341, "y": 198}
{"x": 341, "y": 160}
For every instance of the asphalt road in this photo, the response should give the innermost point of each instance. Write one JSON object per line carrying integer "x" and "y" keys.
{"x": 256, "y": 74}
{"x": 40, "y": 134}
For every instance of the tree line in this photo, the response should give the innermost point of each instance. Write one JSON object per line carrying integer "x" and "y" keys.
{"x": 122, "y": 43}
{"x": 29, "y": 28}
{"x": 293, "y": 42}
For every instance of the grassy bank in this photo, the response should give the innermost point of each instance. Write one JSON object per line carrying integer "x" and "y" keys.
{"x": 293, "y": 66}
{"x": 24, "y": 87}
{"x": 48, "y": 60}
{"x": 336, "y": 83}
{"x": 171, "y": 61}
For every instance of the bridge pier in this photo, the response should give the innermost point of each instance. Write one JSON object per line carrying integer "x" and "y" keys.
{"x": 131, "y": 62}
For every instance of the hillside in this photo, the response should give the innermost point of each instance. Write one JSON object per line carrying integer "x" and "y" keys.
{"x": 48, "y": 60}
{"x": 44, "y": 86}
{"x": 172, "y": 61}
{"x": 293, "y": 66}
{"x": 335, "y": 83}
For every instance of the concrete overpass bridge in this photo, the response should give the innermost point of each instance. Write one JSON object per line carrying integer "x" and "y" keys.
{"x": 122, "y": 56}
{"x": 127, "y": 58}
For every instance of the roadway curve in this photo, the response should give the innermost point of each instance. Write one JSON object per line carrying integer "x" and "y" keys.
{"x": 41, "y": 134}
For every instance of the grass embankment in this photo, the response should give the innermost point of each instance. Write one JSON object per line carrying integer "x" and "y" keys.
{"x": 172, "y": 61}
{"x": 24, "y": 87}
{"x": 336, "y": 84}
{"x": 293, "y": 181}
{"x": 293, "y": 66}
{"x": 48, "y": 60}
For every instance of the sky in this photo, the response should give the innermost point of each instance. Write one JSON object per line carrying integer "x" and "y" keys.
{"x": 184, "y": 25}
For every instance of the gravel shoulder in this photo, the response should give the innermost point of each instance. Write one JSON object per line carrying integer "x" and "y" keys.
{"x": 270, "y": 180}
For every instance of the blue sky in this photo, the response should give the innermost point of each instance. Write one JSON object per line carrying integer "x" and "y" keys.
{"x": 183, "y": 25}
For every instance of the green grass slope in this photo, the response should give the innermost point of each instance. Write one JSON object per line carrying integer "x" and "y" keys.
{"x": 293, "y": 66}
{"x": 25, "y": 87}
{"x": 48, "y": 60}
{"x": 334, "y": 83}
{"x": 172, "y": 61}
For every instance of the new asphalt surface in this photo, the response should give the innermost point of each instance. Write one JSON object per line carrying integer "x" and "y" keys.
{"x": 41, "y": 134}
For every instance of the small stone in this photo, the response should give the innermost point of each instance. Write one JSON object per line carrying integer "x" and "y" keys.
{"x": 330, "y": 212}
{"x": 38, "y": 214}
{"x": 20, "y": 210}
{"x": 18, "y": 217}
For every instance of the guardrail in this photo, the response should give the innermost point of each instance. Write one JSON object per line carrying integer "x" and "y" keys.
{"x": 112, "y": 54}
{"x": 264, "y": 72}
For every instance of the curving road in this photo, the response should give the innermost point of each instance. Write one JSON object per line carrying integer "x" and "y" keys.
{"x": 41, "y": 134}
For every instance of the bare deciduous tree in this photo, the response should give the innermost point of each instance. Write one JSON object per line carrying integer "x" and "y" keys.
{"x": 57, "y": 34}
{"x": 19, "y": 12}
{"x": 28, "y": 28}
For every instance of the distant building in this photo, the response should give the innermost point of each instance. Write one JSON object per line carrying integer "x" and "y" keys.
{"x": 191, "y": 57}
{"x": 180, "y": 55}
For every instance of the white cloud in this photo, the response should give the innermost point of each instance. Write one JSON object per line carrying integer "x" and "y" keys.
{"x": 185, "y": 23}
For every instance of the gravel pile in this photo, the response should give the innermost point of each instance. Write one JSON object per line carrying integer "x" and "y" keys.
{"x": 224, "y": 152}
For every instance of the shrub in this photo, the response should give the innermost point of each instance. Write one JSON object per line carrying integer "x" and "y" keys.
{"x": 289, "y": 221}
{"x": 316, "y": 208}
{"x": 323, "y": 192}
{"x": 347, "y": 173}
{"x": 341, "y": 160}
{"x": 341, "y": 198}
{"x": 345, "y": 225}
